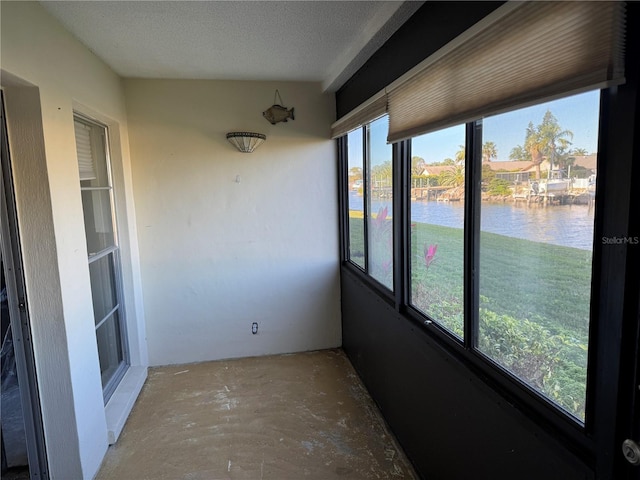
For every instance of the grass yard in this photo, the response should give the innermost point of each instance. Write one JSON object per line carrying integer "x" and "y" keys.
{"x": 534, "y": 303}
{"x": 547, "y": 284}
{"x": 356, "y": 239}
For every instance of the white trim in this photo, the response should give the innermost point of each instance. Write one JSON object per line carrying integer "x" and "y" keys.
{"x": 121, "y": 402}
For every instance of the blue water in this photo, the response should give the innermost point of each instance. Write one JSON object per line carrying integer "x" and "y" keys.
{"x": 566, "y": 225}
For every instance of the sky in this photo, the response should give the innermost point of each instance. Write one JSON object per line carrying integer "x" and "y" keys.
{"x": 578, "y": 113}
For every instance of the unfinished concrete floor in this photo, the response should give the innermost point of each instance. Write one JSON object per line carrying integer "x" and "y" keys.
{"x": 282, "y": 417}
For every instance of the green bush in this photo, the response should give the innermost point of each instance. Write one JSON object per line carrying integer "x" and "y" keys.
{"x": 545, "y": 361}
{"x": 439, "y": 304}
{"x": 499, "y": 186}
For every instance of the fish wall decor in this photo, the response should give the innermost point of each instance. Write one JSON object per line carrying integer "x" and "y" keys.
{"x": 277, "y": 113}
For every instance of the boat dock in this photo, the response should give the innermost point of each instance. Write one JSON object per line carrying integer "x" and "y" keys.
{"x": 428, "y": 193}
{"x": 576, "y": 197}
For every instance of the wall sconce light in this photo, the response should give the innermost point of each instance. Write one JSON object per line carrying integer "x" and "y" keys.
{"x": 246, "y": 142}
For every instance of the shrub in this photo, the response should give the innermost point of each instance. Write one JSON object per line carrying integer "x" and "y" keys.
{"x": 543, "y": 360}
{"x": 499, "y": 186}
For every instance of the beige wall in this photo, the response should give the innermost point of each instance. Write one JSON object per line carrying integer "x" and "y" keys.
{"x": 64, "y": 75}
{"x": 216, "y": 254}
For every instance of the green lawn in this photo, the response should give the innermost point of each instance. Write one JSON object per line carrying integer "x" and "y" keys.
{"x": 356, "y": 240}
{"x": 548, "y": 284}
{"x": 534, "y": 303}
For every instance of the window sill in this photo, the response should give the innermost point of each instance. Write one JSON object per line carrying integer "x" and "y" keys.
{"x": 121, "y": 402}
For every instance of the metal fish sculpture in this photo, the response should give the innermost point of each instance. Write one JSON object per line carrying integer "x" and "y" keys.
{"x": 277, "y": 113}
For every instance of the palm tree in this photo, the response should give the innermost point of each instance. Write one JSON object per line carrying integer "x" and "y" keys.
{"x": 381, "y": 174}
{"x": 579, "y": 152}
{"x": 452, "y": 177}
{"x": 547, "y": 139}
{"x": 518, "y": 153}
{"x": 489, "y": 151}
{"x": 564, "y": 160}
{"x": 554, "y": 139}
{"x": 355, "y": 173}
{"x": 533, "y": 145}
{"x": 460, "y": 154}
{"x": 417, "y": 165}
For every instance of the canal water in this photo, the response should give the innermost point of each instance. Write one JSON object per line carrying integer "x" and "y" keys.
{"x": 566, "y": 225}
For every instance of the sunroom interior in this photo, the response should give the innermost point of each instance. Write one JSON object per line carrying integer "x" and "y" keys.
{"x": 129, "y": 211}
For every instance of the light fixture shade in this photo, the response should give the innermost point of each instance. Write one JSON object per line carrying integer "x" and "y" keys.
{"x": 246, "y": 142}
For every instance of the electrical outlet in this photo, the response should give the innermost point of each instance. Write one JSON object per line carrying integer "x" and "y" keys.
{"x": 254, "y": 327}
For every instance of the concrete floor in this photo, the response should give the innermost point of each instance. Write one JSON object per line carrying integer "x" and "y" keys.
{"x": 282, "y": 417}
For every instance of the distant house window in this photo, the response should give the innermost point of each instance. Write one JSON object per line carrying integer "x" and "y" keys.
{"x": 104, "y": 253}
{"x": 515, "y": 177}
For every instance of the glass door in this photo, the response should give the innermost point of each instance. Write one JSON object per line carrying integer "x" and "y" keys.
{"x": 22, "y": 435}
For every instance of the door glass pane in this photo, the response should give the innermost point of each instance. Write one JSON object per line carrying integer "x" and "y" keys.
{"x": 103, "y": 286}
{"x": 536, "y": 244}
{"x": 380, "y": 224}
{"x": 355, "y": 197}
{"x": 109, "y": 347}
{"x": 14, "y": 432}
{"x": 98, "y": 223}
{"x": 437, "y": 226}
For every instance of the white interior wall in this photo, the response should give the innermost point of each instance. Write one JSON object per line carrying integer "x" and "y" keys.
{"x": 64, "y": 76}
{"x": 217, "y": 254}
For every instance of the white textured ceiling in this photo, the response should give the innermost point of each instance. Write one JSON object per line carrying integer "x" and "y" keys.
{"x": 324, "y": 41}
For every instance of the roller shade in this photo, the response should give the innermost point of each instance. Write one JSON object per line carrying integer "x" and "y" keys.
{"x": 524, "y": 52}
{"x": 83, "y": 148}
{"x": 373, "y": 108}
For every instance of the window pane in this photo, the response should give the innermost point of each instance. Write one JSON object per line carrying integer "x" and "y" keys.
{"x": 380, "y": 224}
{"x": 437, "y": 226}
{"x": 92, "y": 156}
{"x": 109, "y": 347}
{"x": 103, "y": 286}
{"x": 536, "y": 244}
{"x": 98, "y": 223}
{"x": 355, "y": 198}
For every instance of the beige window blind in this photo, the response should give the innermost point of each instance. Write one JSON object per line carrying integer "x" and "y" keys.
{"x": 522, "y": 53}
{"x": 83, "y": 148}
{"x": 370, "y": 110}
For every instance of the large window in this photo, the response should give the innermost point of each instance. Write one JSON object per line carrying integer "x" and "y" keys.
{"x": 536, "y": 242}
{"x": 503, "y": 270}
{"x": 370, "y": 201}
{"x": 380, "y": 202}
{"x": 356, "y": 197}
{"x": 103, "y": 250}
{"x": 437, "y": 226}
